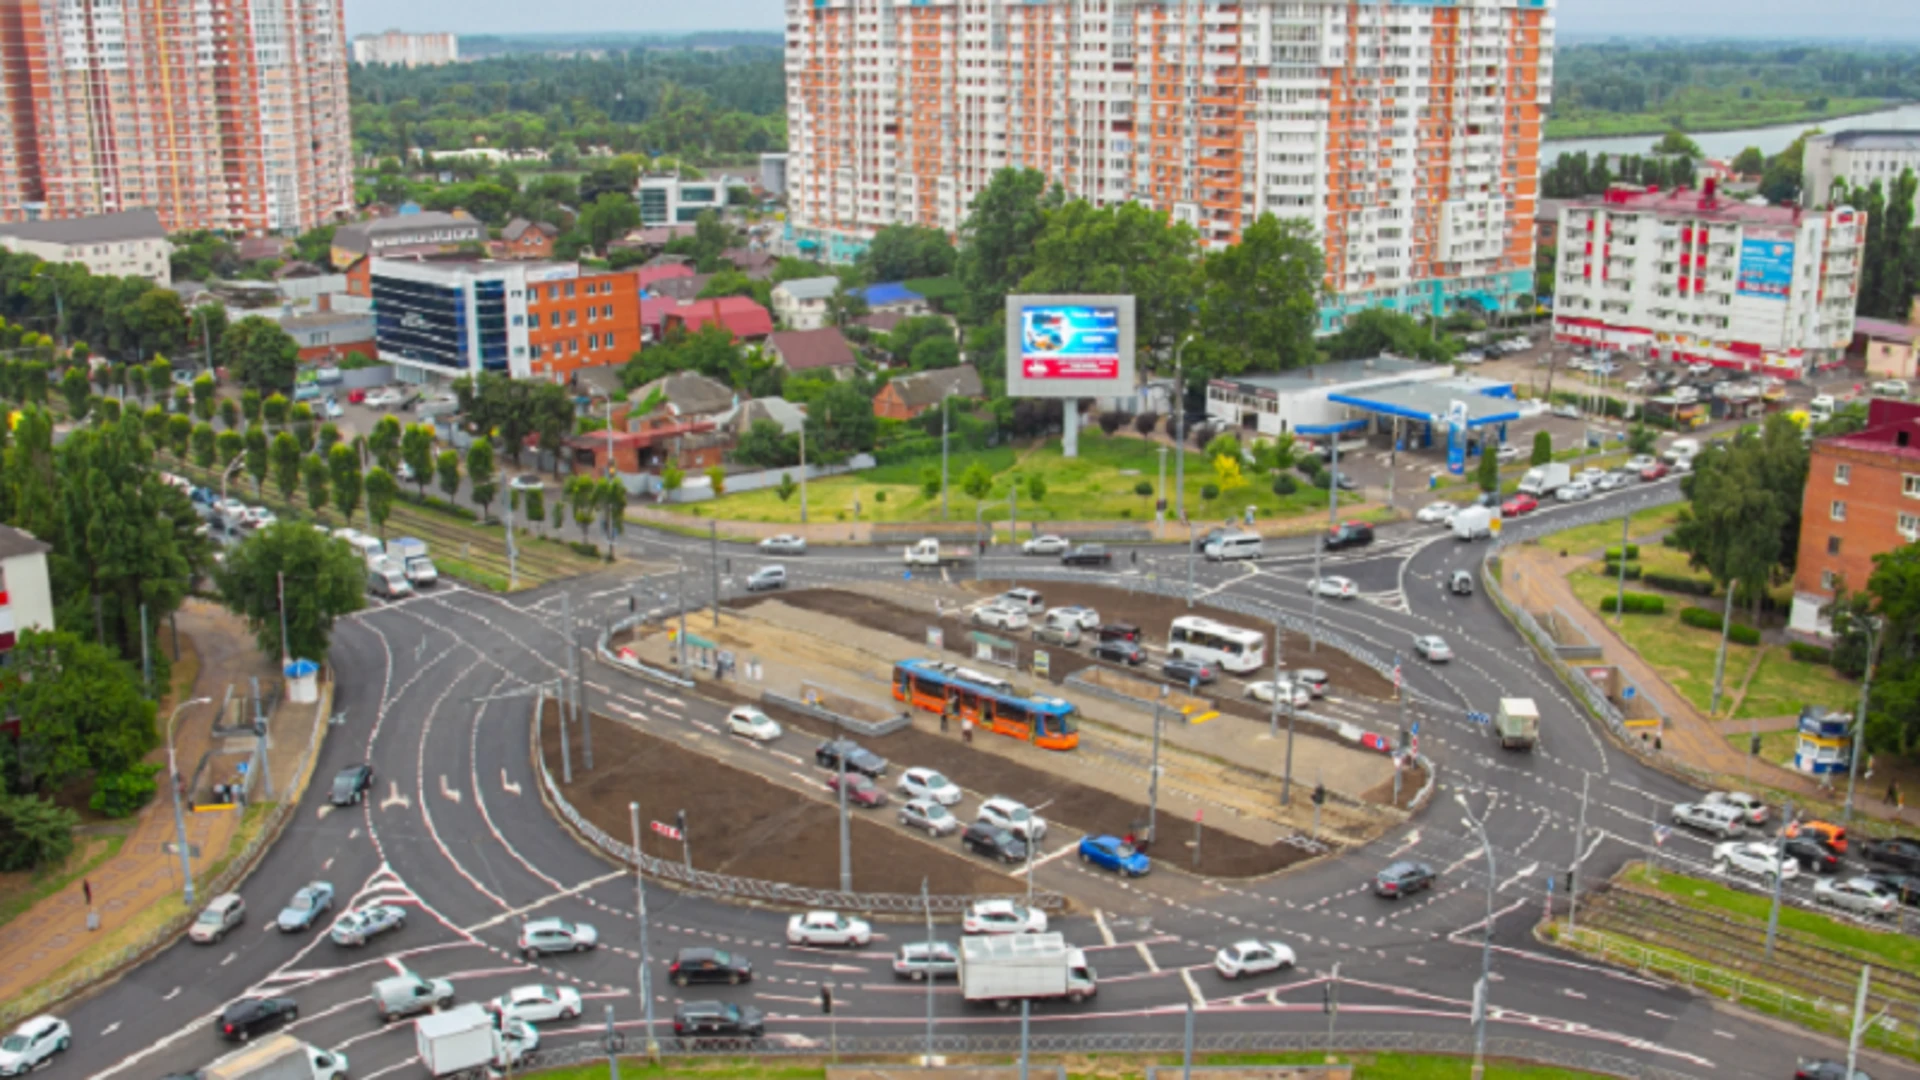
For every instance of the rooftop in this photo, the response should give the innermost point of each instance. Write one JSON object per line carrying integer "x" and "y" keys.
{"x": 738, "y": 314}
{"x": 810, "y": 288}
{"x": 1486, "y": 401}
{"x": 1687, "y": 203}
{"x": 321, "y": 320}
{"x": 1886, "y": 330}
{"x": 1873, "y": 140}
{"x": 14, "y": 543}
{"x": 890, "y": 292}
{"x": 928, "y": 387}
{"x": 807, "y": 350}
{"x": 1893, "y": 430}
{"x": 140, "y": 224}
{"x": 1330, "y": 374}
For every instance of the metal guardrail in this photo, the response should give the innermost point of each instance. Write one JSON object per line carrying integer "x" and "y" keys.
{"x": 776, "y": 892}
{"x": 870, "y": 728}
{"x": 607, "y": 656}
{"x": 1002, "y": 1046}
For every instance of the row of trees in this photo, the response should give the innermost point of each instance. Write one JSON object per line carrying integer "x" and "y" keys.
{"x": 1890, "y": 261}
{"x": 1576, "y": 175}
{"x": 128, "y": 318}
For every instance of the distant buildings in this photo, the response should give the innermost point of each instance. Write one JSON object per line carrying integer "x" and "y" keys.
{"x": 1862, "y": 499}
{"x": 1688, "y": 275}
{"x": 440, "y": 320}
{"x": 1859, "y": 158}
{"x": 908, "y": 396}
{"x": 801, "y": 303}
{"x": 669, "y": 200}
{"x": 523, "y": 239}
{"x": 744, "y": 319}
{"x": 428, "y": 232}
{"x": 331, "y": 336}
{"x": 395, "y": 49}
{"x": 130, "y": 243}
{"x": 823, "y": 350}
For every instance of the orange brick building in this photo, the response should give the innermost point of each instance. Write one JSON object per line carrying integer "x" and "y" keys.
{"x": 1862, "y": 500}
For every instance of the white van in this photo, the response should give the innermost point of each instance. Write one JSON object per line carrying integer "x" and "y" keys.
{"x": 1234, "y": 546}
{"x": 1472, "y": 523}
{"x": 370, "y": 548}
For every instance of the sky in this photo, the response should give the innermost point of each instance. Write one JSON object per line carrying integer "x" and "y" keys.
{"x": 1877, "y": 19}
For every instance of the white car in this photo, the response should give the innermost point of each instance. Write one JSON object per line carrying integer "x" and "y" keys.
{"x": 1251, "y": 958}
{"x": 520, "y": 1038}
{"x": 1334, "y": 586}
{"x": 1686, "y": 395}
{"x": 527, "y": 482}
{"x": 1751, "y": 807}
{"x": 1590, "y": 475}
{"x": 1508, "y": 452}
{"x": 1433, "y": 647}
{"x": 382, "y": 399}
{"x": 1889, "y": 388}
{"x": 753, "y": 724}
{"x": 1013, "y": 816}
{"x": 922, "y": 783}
{"x": 1680, "y": 448}
{"x": 32, "y": 1043}
{"x": 1756, "y": 857}
{"x": 1614, "y": 480}
{"x": 828, "y": 928}
{"x": 784, "y": 544}
{"x": 1003, "y": 917}
{"x": 1287, "y": 691}
{"x": 1822, "y": 406}
{"x": 1640, "y": 463}
{"x": 1863, "y": 896}
{"x": 1472, "y": 356}
{"x": 1086, "y": 617}
{"x": 1048, "y": 544}
{"x": 1001, "y": 615}
{"x": 333, "y": 409}
{"x": 929, "y": 815}
{"x": 1639, "y": 385}
{"x": 1573, "y": 491}
{"x": 1440, "y": 512}
{"x": 1022, "y": 600}
{"x": 1566, "y": 411}
{"x": 538, "y": 1003}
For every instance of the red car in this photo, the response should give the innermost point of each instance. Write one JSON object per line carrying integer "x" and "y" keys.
{"x": 1518, "y": 505}
{"x": 1654, "y": 471}
{"x": 861, "y": 791}
{"x": 1376, "y": 742}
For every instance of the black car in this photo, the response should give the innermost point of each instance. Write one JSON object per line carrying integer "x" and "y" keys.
{"x": 859, "y": 758}
{"x": 1087, "y": 555}
{"x": 1812, "y": 855}
{"x": 1403, "y": 878}
{"x": 1906, "y": 885}
{"x": 1899, "y": 852}
{"x": 250, "y": 1016}
{"x": 709, "y": 966}
{"x": 1188, "y": 671}
{"x": 696, "y": 1019}
{"x": 351, "y": 784}
{"x": 1120, "y": 651}
{"x": 1350, "y": 534}
{"x": 1118, "y": 631}
{"x": 994, "y": 842}
{"x": 1826, "y": 1070}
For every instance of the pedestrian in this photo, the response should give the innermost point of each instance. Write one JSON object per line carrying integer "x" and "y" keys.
{"x": 1870, "y": 769}
{"x": 1893, "y": 792}
{"x": 86, "y": 890}
{"x": 966, "y": 729}
{"x": 946, "y": 715}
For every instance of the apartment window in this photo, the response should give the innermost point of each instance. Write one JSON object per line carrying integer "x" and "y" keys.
{"x": 569, "y": 290}
{"x": 1843, "y": 473}
{"x": 1910, "y": 526}
{"x": 553, "y": 292}
{"x": 1837, "y": 511}
{"x": 570, "y": 317}
{"x": 593, "y": 342}
{"x": 606, "y": 311}
{"x": 536, "y": 352}
{"x": 607, "y": 339}
{"x": 1829, "y": 580}
{"x": 1833, "y": 545}
{"x": 1910, "y": 483}
{"x": 533, "y": 320}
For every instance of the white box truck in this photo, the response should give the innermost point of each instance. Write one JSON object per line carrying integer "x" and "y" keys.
{"x": 1473, "y": 522}
{"x": 1007, "y": 968}
{"x": 1518, "y": 723}
{"x": 411, "y": 552}
{"x": 458, "y": 1039}
{"x": 931, "y": 552}
{"x": 1543, "y": 480}
{"x": 278, "y": 1057}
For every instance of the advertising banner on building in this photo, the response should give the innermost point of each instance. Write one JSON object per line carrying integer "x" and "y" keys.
{"x": 1766, "y": 264}
{"x": 1069, "y": 346}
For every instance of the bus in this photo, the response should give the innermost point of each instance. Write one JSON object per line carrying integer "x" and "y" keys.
{"x": 1226, "y": 647}
{"x": 989, "y": 701}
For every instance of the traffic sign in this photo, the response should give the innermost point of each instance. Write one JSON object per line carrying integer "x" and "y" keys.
{"x": 666, "y": 830}
{"x": 1660, "y": 834}
{"x": 1627, "y": 694}
{"x": 1415, "y": 728}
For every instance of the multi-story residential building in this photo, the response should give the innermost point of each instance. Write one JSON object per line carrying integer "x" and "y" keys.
{"x": 773, "y": 173}
{"x": 669, "y": 200}
{"x": 26, "y": 596}
{"x": 395, "y": 49}
{"x": 1407, "y": 132}
{"x": 801, "y": 303}
{"x": 1862, "y": 500}
{"x": 1859, "y": 158}
{"x": 130, "y": 243}
{"x": 438, "y": 321}
{"x": 428, "y": 232}
{"x": 1688, "y": 275}
{"x": 218, "y": 114}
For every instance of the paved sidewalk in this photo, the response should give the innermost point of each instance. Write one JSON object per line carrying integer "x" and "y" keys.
{"x": 145, "y": 875}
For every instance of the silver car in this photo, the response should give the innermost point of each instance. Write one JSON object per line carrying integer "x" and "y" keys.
{"x": 930, "y": 816}
{"x": 1720, "y": 820}
{"x": 1861, "y": 895}
{"x": 1433, "y": 648}
{"x": 784, "y": 545}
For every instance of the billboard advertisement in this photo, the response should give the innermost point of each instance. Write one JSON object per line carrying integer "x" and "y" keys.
{"x": 1766, "y": 265}
{"x": 1069, "y": 346}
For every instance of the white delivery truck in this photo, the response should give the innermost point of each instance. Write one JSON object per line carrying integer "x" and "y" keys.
{"x": 1518, "y": 723}
{"x": 458, "y": 1039}
{"x": 931, "y": 552}
{"x": 278, "y": 1057}
{"x": 1543, "y": 480}
{"x": 411, "y": 553}
{"x": 1473, "y": 522}
{"x": 1007, "y": 968}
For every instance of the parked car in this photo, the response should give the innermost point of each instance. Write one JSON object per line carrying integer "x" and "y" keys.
{"x": 1722, "y": 821}
{"x": 926, "y": 814}
{"x": 861, "y": 791}
{"x": 527, "y": 482}
{"x": 751, "y": 723}
{"x": 1905, "y": 886}
{"x": 1756, "y": 857}
{"x": 859, "y": 759}
{"x": 1641, "y": 462}
{"x": 1314, "y": 680}
{"x": 709, "y": 966}
{"x": 1334, "y": 586}
{"x": 546, "y": 936}
{"x": 1438, "y": 513}
{"x": 828, "y": 928}
{"x": 1656, "y": 471}
{"x": 351, "y": 784}
{"x": 1065, "y": 635}
{"x": 539, "y": 1003}
{"x": 1826, "y": 1070}
{"x": 1613, "y": 481}
{"x": 984, "y": 838}
{"x": 784, "y": 544}
{"x": 767, "y": 577}
{"x": 1508, "y": 453}
{"x": 1191, "y": 672}
{"x": 1087, "y": 555}
{"x": 1433, "y": 648}
{"x": 1860, "y": 895}
{"x": 33, "y": 1043}
{"x": 1289, "y": 693}
{"x": 1252, "y": 958}
{"x": 1000, "y": 615}
{"x": 1012, "y": 815}
{"x": 222, "y": 913}
{"x": 1812, "y": 855}
{"x": 1519, "y": 504}
{"x": 1403, "y": 878}
{"x": 1897, "y": 852}
{"x": 699, "y": 1020}
{"x": 1003, "y": 917}
{"x": 919, "y": 960}
{"x": 920, "y": 782}
{"x": 1349, "y": 534}
{"x": 1085, "y": 618}
{"x": 1113, "y": 853}
{"x": 1119, "y": 632}
{"x": 306, "y": 906}
{"x": 1574, "y": 491}
{"x": 249, "y": 1016}
{"x": 1047, "y": 544}
{"x": 1752, "y": 809}
{"x": 1120, "y": 652}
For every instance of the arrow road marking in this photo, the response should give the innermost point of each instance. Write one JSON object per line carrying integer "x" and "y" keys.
{"x": 394, "y": 798}
{"x": 110, "y": 1029}
{"x": 511, "y": 787}
{"x": 447, "y": 792}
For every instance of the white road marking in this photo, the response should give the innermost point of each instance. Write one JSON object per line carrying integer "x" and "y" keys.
{"x": 838, "y": 968}
{"x": 171, "y": 994}
{"x": 1100, "y": 920}
{"x": 1045, "y": 859}
{"x": 320, "y": 812}
{"x": 394, "y": 798}
{"x": 1199, "y": 999}
{"x": 229, "y": 959}
{"x": 510, "y": 787}
{"x": 328, "y": 865}
{"x": 1659, "y": 1015}
{"x": 802, "y": 1000}
{"x": 448, "y": 792}
{"x": 507, "y": 916}
{"x": 1725, "y": 1034}
{"x": 1146, "y": 955}
{"x": 110, "y": 1029}
{"x": 1572, "y": 993}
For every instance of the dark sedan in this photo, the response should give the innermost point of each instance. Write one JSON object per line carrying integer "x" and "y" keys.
{"x": 250, "y": 1016}
{"x": 859, "y": 758}
{"x": 351, "y": 784}
{"x": 709, "y": 966}
{"x": 1088, "y": 555}
{"x": 1124, "y": 652}
{"x": 1403, "y": 879}
{"x": 1192, "y": 672}
{"x": 1898, "y": 852}
{"x": 993, "y": 842}
{"x": 861, "y": 791}
{"x": 1812, "y": 855}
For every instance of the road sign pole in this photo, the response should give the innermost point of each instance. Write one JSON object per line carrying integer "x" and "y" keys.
{"x": 1186, "y": 1045}
{"x": 1579, "y": 838}
{"x": 1153, "y": 775}
{"x": 926, "y": 902}
{"x": 846, "y": 834}
{"x": 646, "y": 959}
{"x": 1779, "y": 864}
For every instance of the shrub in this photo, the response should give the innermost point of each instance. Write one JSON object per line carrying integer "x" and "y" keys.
{"x": 1638, "y": 603}
{"x": 1111, "y": 422}
{"x": 1809, "y": 654}
{"x": 1633, "y": 552}
{"x": 34, "y": 832}
{"x": 1144, "y": 487}
{"x": 1707, "y": 619}
{"x": 1323, "y": 480}
{"x": 122, "y": 794}
{"x": 1145, "y": 423}
{"x": 581, "y": 548}
{"x": 1675, "y": 583}
{"x": 880, "y": 496}
{"x": 1633, "y": 570}
{"x": 1210, "y": 492}
{"x": 1284, "y": 485}
{"x": 1310, "y": 466}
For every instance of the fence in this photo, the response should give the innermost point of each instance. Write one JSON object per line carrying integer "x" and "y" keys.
{"x": 739, "y": 888}
{"x": 870, "y": 728}
{"x": 239, "y": 866}
{"x": 1003, "y": 1046}
{"x": 607, "y": 656}
{"x": 698, "y": 489}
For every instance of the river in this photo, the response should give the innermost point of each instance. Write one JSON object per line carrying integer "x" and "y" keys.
{"x": 1725, "y": 144}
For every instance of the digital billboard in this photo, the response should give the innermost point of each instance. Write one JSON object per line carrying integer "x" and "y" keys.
{"x": 1766, "y": 265}
{"x": 1069, "y": 346}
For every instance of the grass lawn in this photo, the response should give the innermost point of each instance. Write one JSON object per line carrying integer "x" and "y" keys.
{"x": 1100, "y": 484}
{"x": 1102, "y": 1067}
{"x": 1775, "y": 746}
{"x": 1888, "y": 948}
{"x": 1706, "y": 109}
{"x": 20, "y": 891}
{"x": 1596, "y": 537}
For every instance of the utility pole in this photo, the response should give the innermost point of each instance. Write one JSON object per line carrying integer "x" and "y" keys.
{"x": 1726, "y": 627}
{"x": 1484, "y": 991}
{"x": 1180, "y": 432}
{"x": 1273, "y": 719}
{"x": 1153, "y": 775}
{"x": 1859, "y": 1021}
{"x": 179, "y": 817}
{"x": 640, "y": 899}
{"x": 803, "y": 473}
{"x": 560, "y": 708}
{"x": 846, "y": 834}
{"x": 576, "y": 694}
{"x": 713, "y": 557}
{"x": 1189, "y": 565}
{"x": 1620, "y": 599}
{"x": 1186, "y": 1044}
{"x": 926, "y": 902}
{"x": 1393, "y": 458}
{"x": 1779, "y": 862}
{"x": 1573, "y": 869}
{"x": 1160, "y": 504}
{"x": 944, "y": 415}
{"x": 682, "y": 561}
{"x": 1876, "y": 634}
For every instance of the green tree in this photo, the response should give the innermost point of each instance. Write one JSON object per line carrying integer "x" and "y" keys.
{"x": 257, "y": 460}
{"x": 607, "y": 218}
{"x": 325, "y": 580}
{"x": 1259, "y": 298}
{"x": 203, "y": 441}
{"x": 179, "y": 435}
{"x": 285, "y": 457}
{"x": 79, "y": 706}
{"x": 251, "y": 405}
{"x": 446, "y": 469}
{"x": 34, "y": 833}
{"x": 228, "y": 446}
{"x": 1542, "y": 448}
{"x": 976, "y": 481}
{"x": 1129, "y": 249}
{"x": 229, "y": 413}
{"x": 1749, "y": 162}
{"x": 899, "y": 252}
{"x": 416, "y": 449}
{"x": 613, "y": 501}
{"x": 328, "y": 438}
{"x": 1037, "y": 485}
{"x": 259, "y": 355}
{"x": 480, "y": 474}
{"x": 582, "y": 493}
{"x": 302, "y": 417}
{"x": 1379, "y": 330}
{"x": 840, "y": 423}
{"x": 313, "y": 473}
{"x": 998, "y": 239}
{"x": 717, "y": 476}
{"x": 929, "y": 480}
{"x": 381, "y": 491}
{"x": 343, "y": 473}
{"x": 76, "y": 392}
{"x": 766, "y": 445}
{"x": 154, "y": 423}
{"x": 935, "y": 353}
{"x": 786, "y": 487}
{"x": 1641, "y": 439}
{"x": 1676, "y": 141}
{"x": 672, "y": 476}
{"x": 1488, "y": 475}
{"x": 1742, "y": 518}
{"x": 383, "y": 443}
{"x": 274, "y": 411}
{"x": 533, "y": 506}
{"x": 203, "y": 396}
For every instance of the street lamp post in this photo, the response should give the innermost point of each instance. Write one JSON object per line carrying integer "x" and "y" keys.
{"x": 1189, "y": 564}
{"x": 945, "y": 414}
{"x": 1876, "y": 634}
{"x": 1180, "y": 429}
{"x": 640, "y": 899}
{"x": 1479, "y": 827}
{"x": 179, "y": 816}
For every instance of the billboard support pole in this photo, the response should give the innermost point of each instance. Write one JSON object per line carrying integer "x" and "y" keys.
{"x": 1070, "y": 429}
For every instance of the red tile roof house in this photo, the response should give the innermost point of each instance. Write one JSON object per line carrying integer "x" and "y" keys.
{"x": 649, "y": 276}
{"x": 825, "y": 349}
{"x": 747, "y": 320}
{"x": 653, "y": 316}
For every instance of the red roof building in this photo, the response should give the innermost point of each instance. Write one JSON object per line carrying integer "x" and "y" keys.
{"x": 649, "y": 275}
{"x": 747, "y": 320}
{"x": 1862, "y": 499}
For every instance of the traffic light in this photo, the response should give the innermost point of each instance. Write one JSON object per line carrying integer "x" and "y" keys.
{"x": 1569, "y": 881}
{"x": 1327, "y": 998}
{"x": 1319, "y": 794}
{"x": 680, "y": 822}
{"x": 826, "y": 1001}
{"x": 1753, "y": 747}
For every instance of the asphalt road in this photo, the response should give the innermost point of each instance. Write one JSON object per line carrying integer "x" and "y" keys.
{"x": 455, "y": 830}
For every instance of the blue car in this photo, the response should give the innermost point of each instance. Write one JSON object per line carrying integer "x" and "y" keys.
{"x": 1113, "y": 853}
{"x": 305, "y": 907}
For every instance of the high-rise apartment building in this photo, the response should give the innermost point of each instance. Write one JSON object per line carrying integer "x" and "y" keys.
{"x": 218, "y": 114}
{"x": 396, "y": 49}
{"x": 1407, "y": 131}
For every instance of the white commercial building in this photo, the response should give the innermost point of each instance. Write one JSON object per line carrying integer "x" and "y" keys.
{"x": 395, "y": 49}
{"x": 131, "y": 243}
{"x": 1860, "y": 158}
{"x": 669, "y": 200}
{"x": 1686, "y": 275}
{"x": 1407, "y": 132}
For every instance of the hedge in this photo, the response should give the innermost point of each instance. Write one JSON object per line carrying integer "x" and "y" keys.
{"x": 1638, "y": 603}
{"x": 1809, "y": 654}
{"x": 1633, "y": 570}
{"x": 1284, "y": 485}
{"x": 1633, "y": 552}
{"x": 1708, "y": 619}
{"x": 1675, "y": 583}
